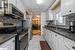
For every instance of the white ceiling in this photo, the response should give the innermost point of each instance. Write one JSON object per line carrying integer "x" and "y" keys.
{"x": 37, "y": 8}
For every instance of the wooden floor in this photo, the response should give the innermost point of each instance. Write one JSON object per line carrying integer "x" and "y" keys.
{"x": 44, "y": 45}
{"x": 36, "y": 32}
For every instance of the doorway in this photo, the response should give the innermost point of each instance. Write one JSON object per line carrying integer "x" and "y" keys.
{"x": 36, "y": 26}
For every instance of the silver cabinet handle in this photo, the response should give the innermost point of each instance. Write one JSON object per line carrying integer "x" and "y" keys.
{"x": 55, "y": 35}
{"x": 73, "y": 47}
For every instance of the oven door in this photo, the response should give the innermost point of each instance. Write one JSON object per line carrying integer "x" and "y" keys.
{"x": 2, "y": 7}
{"x": 23, "y": 41}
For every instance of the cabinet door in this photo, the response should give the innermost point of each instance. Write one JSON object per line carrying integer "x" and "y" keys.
{"x": 59, "y": 42}
{"x": 50, "y": 15}
{"x": 44, "y": 33}
{"x": 24, "y": 16}
{"x": 66, "y": 48}
{"x": 20, "y": 6}
{"x": 43, "y": 19}
{"x": 69, "y": 44}
{"x": 49, "y": 38}
{"x": 9, "y": 45}
{"x": 14, "y": 2}
{"x": 53, "y": 41}
{"x": 67, "y": 7}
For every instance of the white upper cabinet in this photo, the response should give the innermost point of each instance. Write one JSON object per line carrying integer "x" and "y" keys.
{"x": 43, "y": 18}
{"x": 24, "y": 16}
{"x": 14, "y": 2}
{"x": 22, "y": 8}
{"x": 50, "y": 15}
{"x": 20, "y": 5}
{"x": 67, "y": 7}
{"x": 54, "y": 9}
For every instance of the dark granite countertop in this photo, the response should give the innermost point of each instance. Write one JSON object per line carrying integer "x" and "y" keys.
{"x": 62, "y": 32}
{"x": 6, "y": 37}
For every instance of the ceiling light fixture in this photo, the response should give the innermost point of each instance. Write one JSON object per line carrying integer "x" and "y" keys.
{"x": 38, "y": 16}
{"x": 39, "y": 1}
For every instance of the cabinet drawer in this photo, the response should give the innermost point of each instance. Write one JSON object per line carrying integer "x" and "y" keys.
{"x": 69, "y": 44}
{"x": 70, "y": 41}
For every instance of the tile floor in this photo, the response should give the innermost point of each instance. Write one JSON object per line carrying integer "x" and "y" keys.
{"x": 34, "y": 44}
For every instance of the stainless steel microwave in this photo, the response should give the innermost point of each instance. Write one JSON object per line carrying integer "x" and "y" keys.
{"x": 11, "y": 10}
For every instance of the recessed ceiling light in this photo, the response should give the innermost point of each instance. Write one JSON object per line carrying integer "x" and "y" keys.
{"x": 39, "y": 1}
{"x": 38, "y": 16}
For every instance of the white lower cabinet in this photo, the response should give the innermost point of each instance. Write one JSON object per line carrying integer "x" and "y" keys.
{"x": 69, "y": 44}
{"x": 58, "y": 42}
{"x": 8, "y": 45}
{"x": 66, "y": 47}
{"x": 54, "y": 40}
{"x": 44, "y": 33}
{"x": 49, "y": 38}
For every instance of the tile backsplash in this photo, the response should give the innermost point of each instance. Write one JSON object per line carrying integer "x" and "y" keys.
{"x": 66, "y": 25}
{"x": 67, "y": 21}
